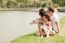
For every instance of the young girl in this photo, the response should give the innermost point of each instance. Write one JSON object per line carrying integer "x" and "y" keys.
{"x": 47, "y": 26}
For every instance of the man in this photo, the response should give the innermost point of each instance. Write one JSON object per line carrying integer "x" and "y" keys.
{"x": 54, "y": 18}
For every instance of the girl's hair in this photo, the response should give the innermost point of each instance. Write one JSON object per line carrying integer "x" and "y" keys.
{"x": 42, "y": 12}
{"x": 47, "y": 17}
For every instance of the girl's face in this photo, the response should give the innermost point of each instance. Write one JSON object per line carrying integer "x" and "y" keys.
{"x": 44, "y": 18}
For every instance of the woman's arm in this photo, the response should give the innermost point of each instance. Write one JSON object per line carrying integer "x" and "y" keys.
{"x": 36, "y": 21}
{"x": 58, "y": 26}
{"x": 39, "y": 27}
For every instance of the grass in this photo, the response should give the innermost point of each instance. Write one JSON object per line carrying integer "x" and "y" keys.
{"x": 32, "y": 38}
{"x": 62, "y": 22}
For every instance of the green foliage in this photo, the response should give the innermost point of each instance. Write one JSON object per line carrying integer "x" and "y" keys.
{"x": 43, "y": 5}
{"x": 62, "y": 22}
{"x": 10, "y": 4}
{"x": 26, "y": 3}
{"x": 31, "y": 3}
{"x": 20, "y": 0}
{"x": 60, "y": 2}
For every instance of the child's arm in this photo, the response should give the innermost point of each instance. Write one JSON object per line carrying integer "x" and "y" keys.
{"x": 50, "y": 28}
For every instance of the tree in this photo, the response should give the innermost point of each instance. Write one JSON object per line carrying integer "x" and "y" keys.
{"x": 11, "y": 4}
{"x": 0, "y": 3}
{"x": 59, "y": 2}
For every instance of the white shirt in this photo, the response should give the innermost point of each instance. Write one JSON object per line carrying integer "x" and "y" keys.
{"x": 54, "y": 18}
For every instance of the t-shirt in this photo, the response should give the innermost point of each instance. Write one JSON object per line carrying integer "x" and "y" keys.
{"x": 54, "y": 18}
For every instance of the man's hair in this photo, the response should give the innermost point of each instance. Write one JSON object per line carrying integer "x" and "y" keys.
{"x": 51, "y": 9}
{"x": 42, "y": 12}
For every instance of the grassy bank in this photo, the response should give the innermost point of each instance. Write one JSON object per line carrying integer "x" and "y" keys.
{"x": 32, "y": 38}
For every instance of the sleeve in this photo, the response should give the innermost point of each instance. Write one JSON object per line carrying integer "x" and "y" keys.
{"x": 56, "y": 19}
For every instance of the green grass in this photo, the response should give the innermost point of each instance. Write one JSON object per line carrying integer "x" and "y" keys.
{"x": 62, "y": 22}
{"x": 32, "y": 38}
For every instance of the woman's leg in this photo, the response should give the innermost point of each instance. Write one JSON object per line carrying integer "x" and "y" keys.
{"x": 39, "y": 33}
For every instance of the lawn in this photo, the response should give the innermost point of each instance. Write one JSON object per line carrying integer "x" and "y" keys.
{"x": 32, "y": 38}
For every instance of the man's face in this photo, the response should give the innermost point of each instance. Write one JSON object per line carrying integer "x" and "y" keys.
{"x": 48, "y": 12}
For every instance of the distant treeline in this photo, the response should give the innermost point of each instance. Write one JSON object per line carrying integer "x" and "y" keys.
{"x": 30, "y": 3}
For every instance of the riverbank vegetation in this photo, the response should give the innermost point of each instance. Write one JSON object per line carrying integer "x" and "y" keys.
{"x": 30, "y": 3}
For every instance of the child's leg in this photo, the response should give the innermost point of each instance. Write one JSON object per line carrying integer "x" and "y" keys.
{"x": 41, "y": 33}
{"x": 45, "y": 31}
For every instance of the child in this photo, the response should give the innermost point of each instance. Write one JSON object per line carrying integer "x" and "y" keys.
{"x": 47, "y": 26}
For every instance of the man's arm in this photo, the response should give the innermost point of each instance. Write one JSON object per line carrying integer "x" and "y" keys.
{"x": 58, "y": 26}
